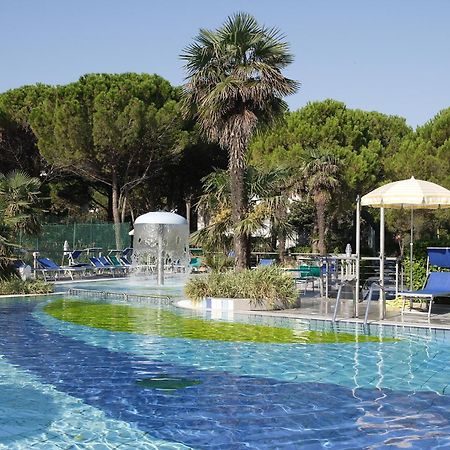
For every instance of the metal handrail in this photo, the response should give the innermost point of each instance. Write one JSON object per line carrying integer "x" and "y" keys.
{"x": 338, "y": 298}
{"x": 369, "y": 299}
{"x": 155, "y": 298}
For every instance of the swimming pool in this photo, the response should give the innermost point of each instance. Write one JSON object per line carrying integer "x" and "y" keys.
{"x": 77, "y": 374}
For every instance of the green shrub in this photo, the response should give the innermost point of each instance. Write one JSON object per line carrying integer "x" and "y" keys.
{"x": 14, "y": 285}
{"x": 219, "y": 262}
{"x": 197, "y": 287}
{"x": 268, "y": 285}
{"x": 421, "y": 245}
{"x": 419, "y": 272}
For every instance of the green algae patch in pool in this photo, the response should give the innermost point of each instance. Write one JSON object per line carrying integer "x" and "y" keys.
{"x": 166, "y": 383}
{"x": 159, "y": 322}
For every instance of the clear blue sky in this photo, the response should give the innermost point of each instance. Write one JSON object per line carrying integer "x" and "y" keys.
{"x": 391, "y": 56}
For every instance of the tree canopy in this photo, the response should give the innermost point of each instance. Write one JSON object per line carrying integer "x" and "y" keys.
{"x": 76, "y": 138}
{"x": 362, "y": 142}
{"x": 111, "y": 130}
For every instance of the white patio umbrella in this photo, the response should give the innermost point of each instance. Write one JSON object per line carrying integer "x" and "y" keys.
{"x": 408, "y": 194}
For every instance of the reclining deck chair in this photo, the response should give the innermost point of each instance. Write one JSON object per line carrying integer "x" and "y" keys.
{"x": 48, "y": 266}
{"x": 100, "y": 267}
{"x": 264, "y": 262}
{"x": 125, "y": 261}
{"x": 107, "y": 263}
{"x": 118, "y": 263}
{"x": 436, "y": 285}
{"x": 126, "y": 252}
{"x": 74, "y": 261}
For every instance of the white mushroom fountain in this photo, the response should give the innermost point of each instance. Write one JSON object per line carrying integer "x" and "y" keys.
{"x": 161, "y": 244}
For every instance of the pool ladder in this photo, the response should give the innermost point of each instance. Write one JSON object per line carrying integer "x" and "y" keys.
{"x": 338, "y": 297}
{"x": 369, "y": 299}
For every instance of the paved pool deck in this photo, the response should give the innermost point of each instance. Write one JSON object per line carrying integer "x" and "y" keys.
{"x": 312, "y": 306}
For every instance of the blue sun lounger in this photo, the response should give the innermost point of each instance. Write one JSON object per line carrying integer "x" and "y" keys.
{"x": 107, "y": 263}
{"x": 438, "y": 257}
{"x": 48, "y": 266}
{"x": 266, "y": 262}
{"x": 100, "y": 267}
{"x": 437, "y": 285}
{"x": 73, "y": 259}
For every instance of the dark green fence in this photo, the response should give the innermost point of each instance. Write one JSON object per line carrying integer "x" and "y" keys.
{"x": 50, "y": 243}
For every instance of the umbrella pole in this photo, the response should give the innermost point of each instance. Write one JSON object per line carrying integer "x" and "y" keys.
{"x": 411, "y": 251}
{"x": 382, "y": 300}
{"x": 358, "y": 252}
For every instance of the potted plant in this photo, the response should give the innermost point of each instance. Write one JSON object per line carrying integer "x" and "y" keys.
{"x": 261, "y": 289}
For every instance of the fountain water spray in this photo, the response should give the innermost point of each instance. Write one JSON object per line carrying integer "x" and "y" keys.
{"x": 161, "y": 244}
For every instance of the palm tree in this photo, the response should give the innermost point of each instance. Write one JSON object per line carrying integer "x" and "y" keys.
{"x": 268, "y": 192}
{"x": 19, "y": 213}
{"x": 19, "y": 196}
{"x": 321, "y": 171}
{"x": 234, "y": 86}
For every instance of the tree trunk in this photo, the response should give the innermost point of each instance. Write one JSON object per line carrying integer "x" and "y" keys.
{"x": 320, "y": 211}
{"x": 109, "y": 209}
{"x": 248, "y": 251}
{"x": 115, "y": 209}
{"x": 273, "y": 236}
{"x": 239, "y": 209}
{"x": 281, "y": 246}
{"x": 313, "y": 238}
{"x": 281, "y": 235}
{"x": 124, "y": 208}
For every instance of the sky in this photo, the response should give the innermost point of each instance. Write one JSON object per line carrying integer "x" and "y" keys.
{"x": 391, "y": 56}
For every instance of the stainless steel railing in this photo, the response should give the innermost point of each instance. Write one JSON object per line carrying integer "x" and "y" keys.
{"x": 118, "y": 296}
{"x": 369, "y": 299}
{"x": 339, "y": 296}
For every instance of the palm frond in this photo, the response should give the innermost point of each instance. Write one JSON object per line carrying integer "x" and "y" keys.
{"x": 19, "y": 197}
{"x": 233, "y": 70}
{"x": 322, "y": 170}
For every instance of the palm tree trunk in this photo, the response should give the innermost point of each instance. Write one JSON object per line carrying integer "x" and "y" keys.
{"x": 281, "y": 246}
{"x": 238, "y": 211}
{"x": 273, "y": 237}
{"x": 281, "y": 234}
{"x": 320, "y": 211}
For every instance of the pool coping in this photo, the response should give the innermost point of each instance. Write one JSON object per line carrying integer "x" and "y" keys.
{"x": 349, "y": 320}
{"x": 322, "y": 318}
{"x": 84, "y": 280}
{"x": 30, "y": 295}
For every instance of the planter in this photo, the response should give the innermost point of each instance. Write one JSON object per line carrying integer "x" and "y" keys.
{"x": 233, "y": 304}
{"x": 218, "y": 304}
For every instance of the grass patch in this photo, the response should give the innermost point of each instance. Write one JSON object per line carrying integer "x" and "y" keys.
{"x": 164, "y": 323}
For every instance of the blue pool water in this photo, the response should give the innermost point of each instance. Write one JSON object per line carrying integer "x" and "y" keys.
{"x": 64, "y": 385}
